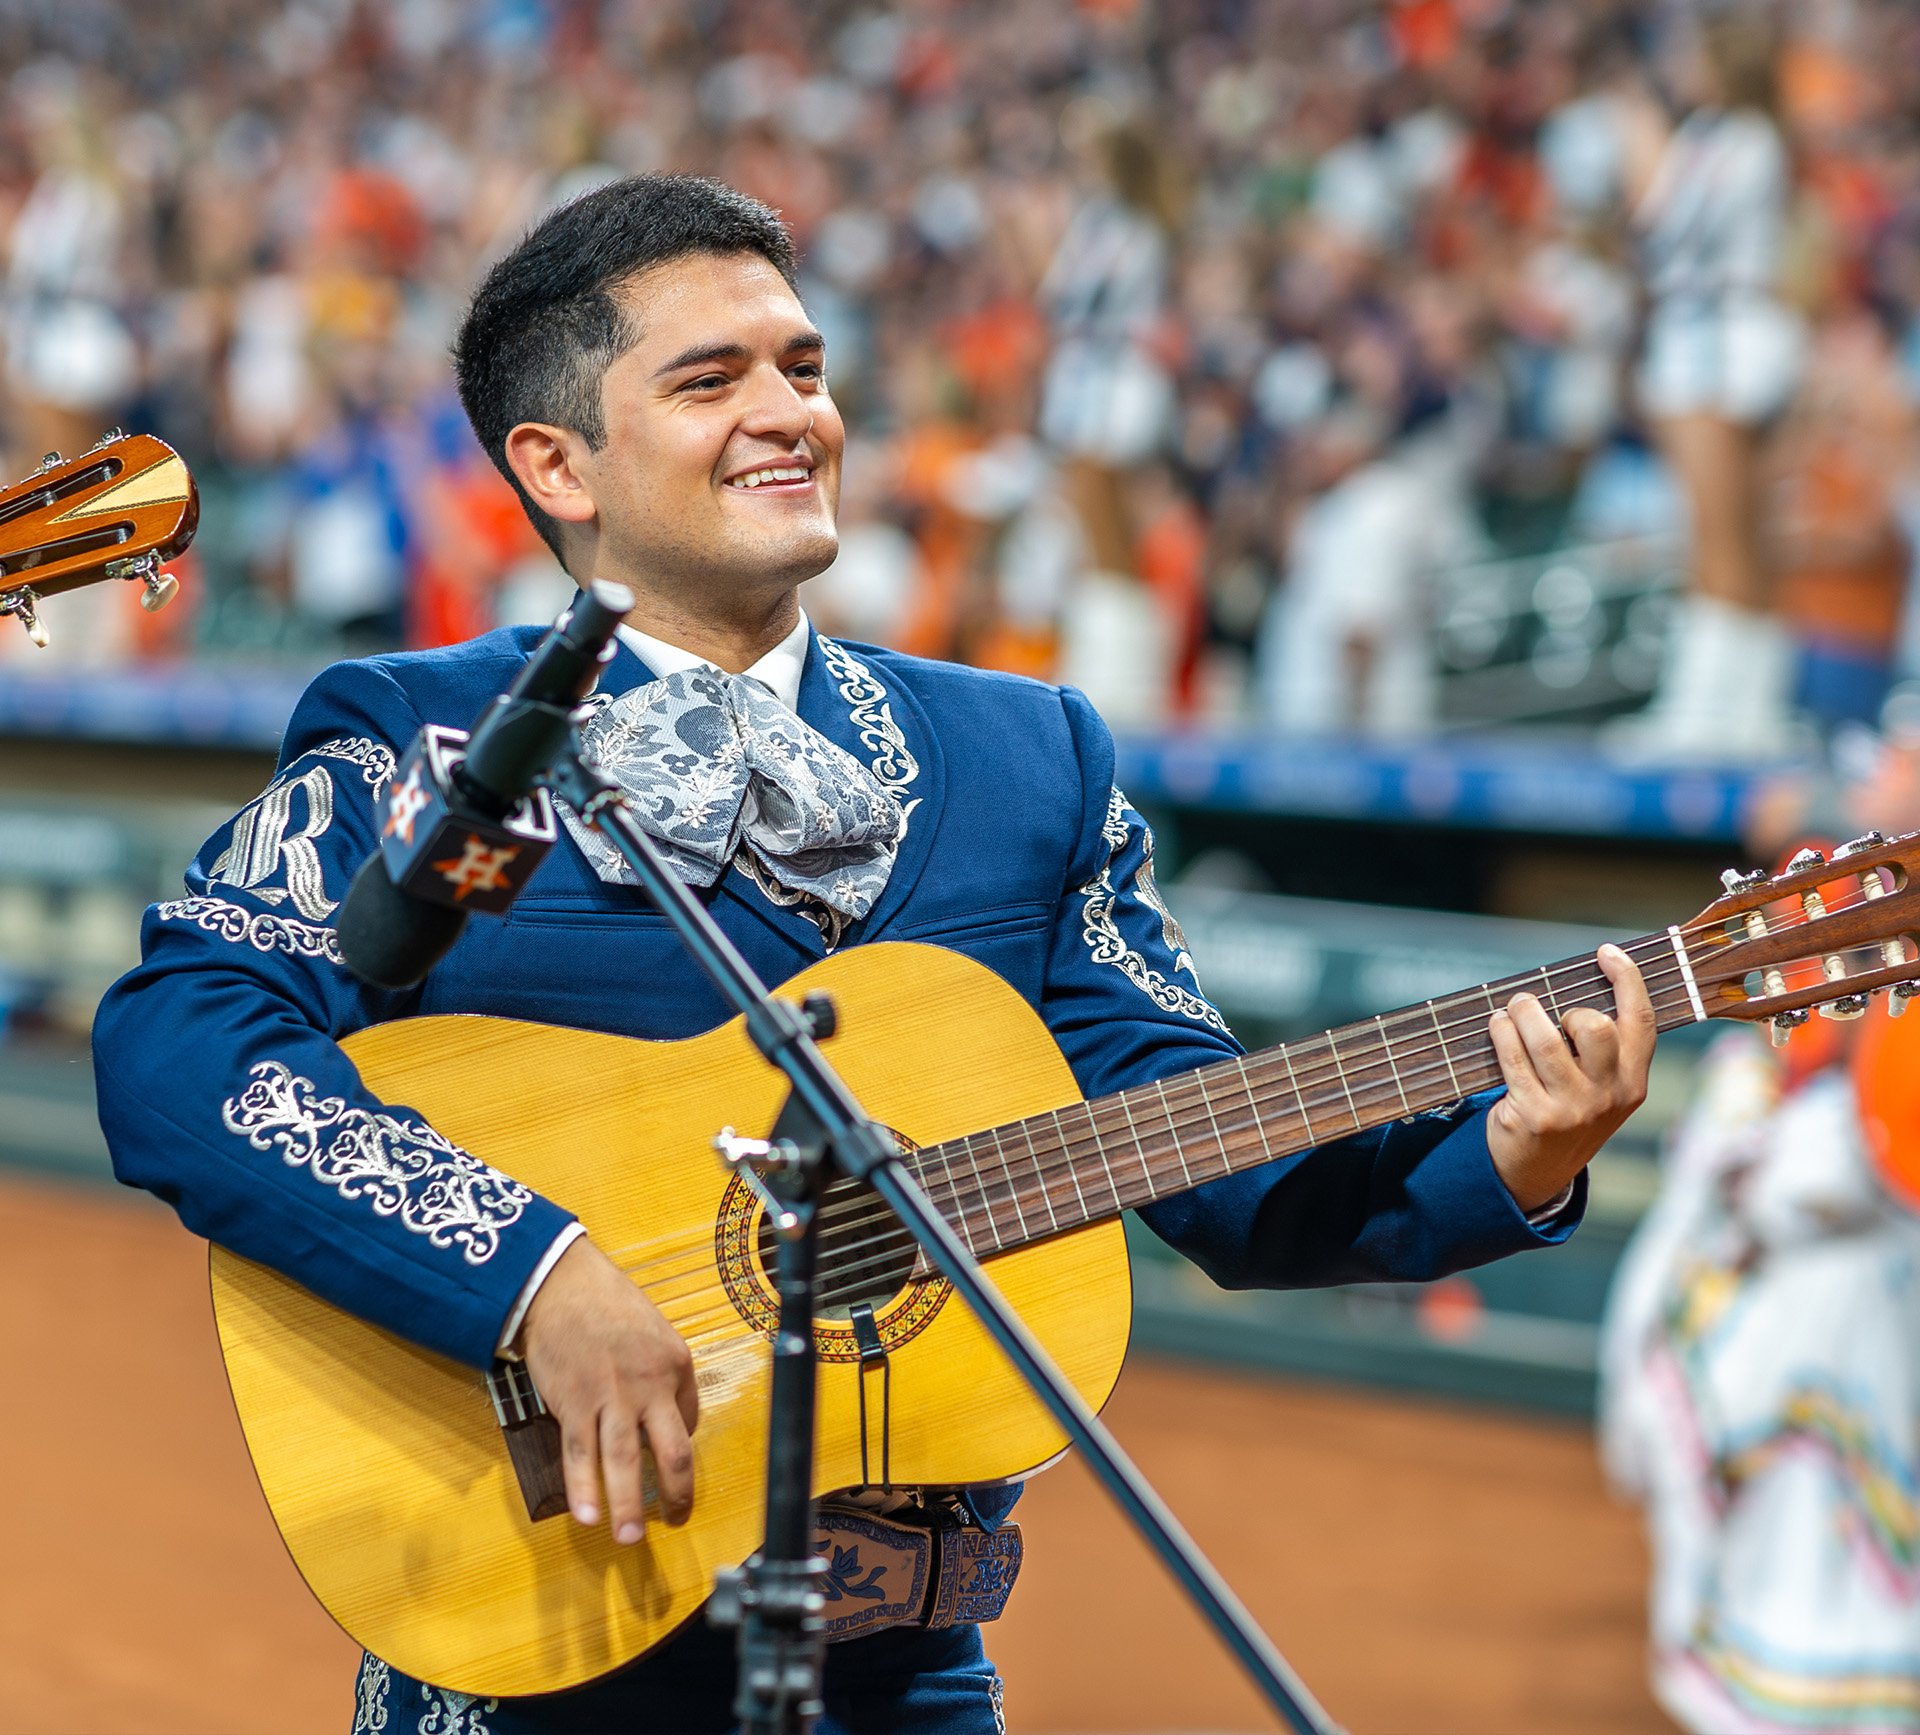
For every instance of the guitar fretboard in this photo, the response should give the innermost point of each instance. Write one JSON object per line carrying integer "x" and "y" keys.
{"x": 1019, "y": 1183}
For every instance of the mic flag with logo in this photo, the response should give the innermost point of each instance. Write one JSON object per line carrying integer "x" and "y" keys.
{"x": 440, "y": 849}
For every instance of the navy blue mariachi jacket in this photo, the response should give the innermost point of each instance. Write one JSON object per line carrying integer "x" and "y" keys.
{"x": 1019, "y": 851}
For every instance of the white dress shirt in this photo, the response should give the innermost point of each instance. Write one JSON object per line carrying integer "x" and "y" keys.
{"x": 778, "y": 671}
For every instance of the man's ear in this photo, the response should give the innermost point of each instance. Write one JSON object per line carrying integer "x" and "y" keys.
{"x": 544, "y": 458}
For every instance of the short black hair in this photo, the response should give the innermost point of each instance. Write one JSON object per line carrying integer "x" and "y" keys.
{"x": 546, "y": 322}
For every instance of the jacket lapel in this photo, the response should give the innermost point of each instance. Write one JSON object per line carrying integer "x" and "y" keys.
{"x": 857, "y": 705}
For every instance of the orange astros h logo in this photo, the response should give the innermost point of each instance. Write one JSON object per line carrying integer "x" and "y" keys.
{"x": 477, "y": 869}
{"x": 403, "y": 807}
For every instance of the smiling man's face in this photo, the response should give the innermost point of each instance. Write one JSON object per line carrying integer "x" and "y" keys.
{"x": 720, "y": 474}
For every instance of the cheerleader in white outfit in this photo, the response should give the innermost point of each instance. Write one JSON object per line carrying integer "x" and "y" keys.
{"x": 1721, "y": 361}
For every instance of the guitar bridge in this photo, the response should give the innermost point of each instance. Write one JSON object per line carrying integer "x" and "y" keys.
{"x": 533, "y": 1439}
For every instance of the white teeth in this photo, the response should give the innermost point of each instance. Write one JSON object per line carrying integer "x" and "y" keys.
{"x": 774, "y": 473}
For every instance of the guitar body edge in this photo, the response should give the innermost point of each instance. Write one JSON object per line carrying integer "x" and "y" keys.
{"x": 382, "y": 1462}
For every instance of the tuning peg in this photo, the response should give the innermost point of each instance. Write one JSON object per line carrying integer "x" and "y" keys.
{"x": 47, "y": 461}
{"x": 1853, "y": 846}
{"x": 22, "y": 603}
{"x": 1737, "y": 881}
{"x": 161, "y": 589}
{"x": 1783, "y": 1024}
{"x": 1806, "y": 858}
{"x": 1848, "y": 1006}
{"x": 1899, "y": 995}
{"x": 108, "y": 438}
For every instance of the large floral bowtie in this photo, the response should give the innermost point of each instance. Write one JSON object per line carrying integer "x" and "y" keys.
{"x": 714, "y": 768}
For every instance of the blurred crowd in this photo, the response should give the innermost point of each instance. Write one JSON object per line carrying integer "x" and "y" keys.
{"x": 1180, "y": 340}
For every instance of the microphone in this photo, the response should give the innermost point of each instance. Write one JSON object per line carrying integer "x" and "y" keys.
{"x": 463, "y": 824}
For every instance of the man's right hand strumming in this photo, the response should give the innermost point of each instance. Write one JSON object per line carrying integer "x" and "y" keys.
{"x": 610, "y": 1368}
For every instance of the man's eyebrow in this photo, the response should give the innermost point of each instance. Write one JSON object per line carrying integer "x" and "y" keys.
{"x": 708, "y": 352}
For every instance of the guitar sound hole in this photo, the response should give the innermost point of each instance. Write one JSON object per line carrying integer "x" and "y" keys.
{"x": 865, "y": 1254}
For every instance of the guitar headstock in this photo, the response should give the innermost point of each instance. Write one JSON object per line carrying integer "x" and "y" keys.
{"x": 118, "y": 511}
{"x": 1821, "y": 934}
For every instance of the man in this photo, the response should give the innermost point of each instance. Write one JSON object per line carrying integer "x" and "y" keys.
{"x": 642, "y": 371}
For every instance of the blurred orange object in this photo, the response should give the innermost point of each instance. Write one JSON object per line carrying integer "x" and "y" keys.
{"x": 1886, "y": 1082}
{"x": 370, "y": 217}
{"x": 1425, "y": 33}
{"x": 475, "y": 531}
{"x": 1451, "y": 1311}
{"x": 1173, "y": 564}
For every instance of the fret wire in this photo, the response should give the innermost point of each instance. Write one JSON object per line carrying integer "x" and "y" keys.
{"x": 1547, "y": 994}
{"x": 1040, "y": 1172}
{"x": 1133, "y": 1132}
{"x": 958, "y": 1222}
{"x": 1299, "y": 1096}
{"x": 986, "y": 1203}
{"x": 1073, "y": 1172}
{"x": 1386, "y": 1048}
{"x": 1333, "y": 1054}
{"x": 1439, "y": 1037}
{"x": 1259, "y": 1123}
{"x": 1013, "y": 1186}
{"x": 1213, "y": 1120}
{"x": 1100, "y": 1147}
{"x": 1173, "y": 1126}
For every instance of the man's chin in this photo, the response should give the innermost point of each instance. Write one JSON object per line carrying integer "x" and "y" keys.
{"x": 797, "y": 558}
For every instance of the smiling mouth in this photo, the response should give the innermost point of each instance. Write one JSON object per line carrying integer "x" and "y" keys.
{"x": 781, "y": 478}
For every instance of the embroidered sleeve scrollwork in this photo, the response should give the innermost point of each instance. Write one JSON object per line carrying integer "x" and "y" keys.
{"x": 399, "y": 1168}
{"x": 1104, "y": 901}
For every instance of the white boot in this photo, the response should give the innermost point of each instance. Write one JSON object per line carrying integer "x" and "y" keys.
{"x": 1722, "y": 697}
{"x": 1759, "y": 722}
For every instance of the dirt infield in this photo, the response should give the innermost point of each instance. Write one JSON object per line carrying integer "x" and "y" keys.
{"x": 1426, "y": 1569}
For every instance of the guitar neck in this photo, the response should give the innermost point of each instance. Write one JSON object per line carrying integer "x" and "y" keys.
{"x": 1025, "y": 1181}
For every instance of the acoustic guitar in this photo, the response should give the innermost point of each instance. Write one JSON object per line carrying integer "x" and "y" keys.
{"x": 421, "y": 1499}
{"x": 120, "y": 510}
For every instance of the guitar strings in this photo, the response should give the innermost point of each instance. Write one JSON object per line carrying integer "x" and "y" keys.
{"x": 1306, "y": 1078}
{"x": 1067, "y": 1156}
{"x": 1304, "y": 1075}
{"x": 1043, "y": 1169}
{"x": 848, "y": 1278}
{"x": 844, "y": 1274}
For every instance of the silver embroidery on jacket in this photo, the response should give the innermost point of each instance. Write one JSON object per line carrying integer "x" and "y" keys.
{"x": 1109, "y": 946}
{"x": 401, "y": 1168}
{"x": 451, "y": 1713}
{"x": 374, "y": 758}
{"x": 893, "y": 762}
{"x": 261, "y": 848}
{"x": 255, "y": 928}
{"x": 370, "y": 1696}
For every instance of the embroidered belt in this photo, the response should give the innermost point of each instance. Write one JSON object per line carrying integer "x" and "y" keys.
{"x": 885, "y": 1573}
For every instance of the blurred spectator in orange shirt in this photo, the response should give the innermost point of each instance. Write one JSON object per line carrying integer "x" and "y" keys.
{"x": 1843, "y": 554}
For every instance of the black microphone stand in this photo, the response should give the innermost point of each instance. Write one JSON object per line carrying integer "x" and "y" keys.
{"x": 776, "y": 1598}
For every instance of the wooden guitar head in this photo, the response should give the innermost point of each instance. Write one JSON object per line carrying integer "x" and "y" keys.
{"x": 121, "y": 510}
{"x": 1822, "y": 933}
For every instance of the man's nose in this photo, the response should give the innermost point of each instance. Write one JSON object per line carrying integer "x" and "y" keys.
{"x": 775, "y": 407}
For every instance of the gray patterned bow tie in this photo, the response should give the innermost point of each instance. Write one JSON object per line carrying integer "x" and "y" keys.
{"x": 714, "y": 768}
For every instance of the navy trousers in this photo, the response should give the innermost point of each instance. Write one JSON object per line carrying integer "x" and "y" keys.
{"x": 902, "y": 1682}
